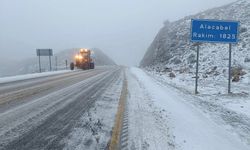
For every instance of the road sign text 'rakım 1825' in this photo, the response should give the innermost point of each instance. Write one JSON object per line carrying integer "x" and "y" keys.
{"x": 214, "y": 31}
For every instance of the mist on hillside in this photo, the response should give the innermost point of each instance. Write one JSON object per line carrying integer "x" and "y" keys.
{"x": 123, "y": 30}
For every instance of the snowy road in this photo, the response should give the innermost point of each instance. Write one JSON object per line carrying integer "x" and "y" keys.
{"x": 161, "y": 118}
{"x": 40, "y": 113}
{"x": 76, "y": 110}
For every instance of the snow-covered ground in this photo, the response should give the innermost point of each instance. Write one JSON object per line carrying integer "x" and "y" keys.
{"x": 232, "y": 111}
{"x": 79, "y": 115}
{"x": 164, "y": 117}
{"x": 148, "y": 125}
{"x": 31, "y": 76}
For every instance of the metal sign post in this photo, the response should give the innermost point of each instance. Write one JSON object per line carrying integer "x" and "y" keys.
{"x": 50, "y": 68}
{"x": 230, "y": 68}
{"x": 56, "y": 62}
{"x": 39, "y": 59}
{"x": 197, "y": 69}
{"x": 215, "y": 31}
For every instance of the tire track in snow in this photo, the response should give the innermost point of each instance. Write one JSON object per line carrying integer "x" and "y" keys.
{"x": 45, "y": 128}
{"x": 93, "y": 130}
{"x": 32, "y": 89}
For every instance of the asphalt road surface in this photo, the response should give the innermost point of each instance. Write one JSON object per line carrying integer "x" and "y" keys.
{"x": 38, "y": 113}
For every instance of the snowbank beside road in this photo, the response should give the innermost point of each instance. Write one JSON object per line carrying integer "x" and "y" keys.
{"x": 31, "y": 76}
{"x": 148, "y": 127}
{"x": 191, "y": 128}
{"x": 230, "y": 110}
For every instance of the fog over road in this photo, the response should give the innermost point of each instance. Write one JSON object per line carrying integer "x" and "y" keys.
{"x": 39, "y": 113}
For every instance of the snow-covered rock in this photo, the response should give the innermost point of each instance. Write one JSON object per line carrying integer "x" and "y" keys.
{"x": 172, "y": 48}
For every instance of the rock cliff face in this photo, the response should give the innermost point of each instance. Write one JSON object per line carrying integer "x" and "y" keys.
{"x": 172, "y": 48}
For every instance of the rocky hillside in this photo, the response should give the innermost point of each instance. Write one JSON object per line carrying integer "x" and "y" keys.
{"x": 31, "y": 65}
{"x": 172, "y": 49}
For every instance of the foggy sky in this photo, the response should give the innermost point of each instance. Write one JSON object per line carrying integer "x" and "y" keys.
{"x": 122, "y": 29}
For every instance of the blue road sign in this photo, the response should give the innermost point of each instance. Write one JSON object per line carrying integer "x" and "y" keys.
{"x": 214, "y": 31}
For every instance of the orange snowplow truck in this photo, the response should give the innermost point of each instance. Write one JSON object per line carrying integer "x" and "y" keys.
{"x": 83, "y": 60}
